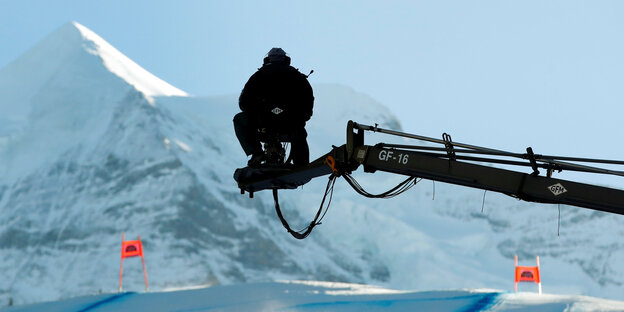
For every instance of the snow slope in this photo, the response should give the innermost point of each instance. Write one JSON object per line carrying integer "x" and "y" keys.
{"x": 92, "y": 146}
{"x": 323, "y": 296}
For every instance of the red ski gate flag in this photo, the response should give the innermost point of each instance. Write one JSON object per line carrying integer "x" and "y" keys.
{"x": 129, "y": 249}
{"x": 527, "y": 274}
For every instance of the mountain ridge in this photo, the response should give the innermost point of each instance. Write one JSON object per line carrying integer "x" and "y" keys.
{"x": 92, "y": 157}
{"x": 88, "y": 156}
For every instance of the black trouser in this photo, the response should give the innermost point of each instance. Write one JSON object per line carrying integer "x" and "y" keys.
{"x": 246, "y": 129}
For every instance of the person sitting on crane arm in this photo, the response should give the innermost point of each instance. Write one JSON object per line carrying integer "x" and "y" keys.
{"x": 276, "y": 99}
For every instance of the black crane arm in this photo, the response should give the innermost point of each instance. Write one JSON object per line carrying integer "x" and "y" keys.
{"x": 453, "y": 163}
{"x": 523, "y": 186}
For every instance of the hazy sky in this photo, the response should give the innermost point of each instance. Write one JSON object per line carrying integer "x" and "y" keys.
{"x": 502, "y": 74}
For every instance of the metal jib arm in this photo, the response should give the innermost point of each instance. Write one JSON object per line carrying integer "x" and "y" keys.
{"x": 454, "y": 163}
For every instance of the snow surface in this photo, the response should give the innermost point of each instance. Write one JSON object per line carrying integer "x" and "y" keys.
{"x": 323, "y": 296}
{"x": 88, "y": 153}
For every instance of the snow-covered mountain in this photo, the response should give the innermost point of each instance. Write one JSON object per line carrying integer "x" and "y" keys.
{"x": 93, "y": 146}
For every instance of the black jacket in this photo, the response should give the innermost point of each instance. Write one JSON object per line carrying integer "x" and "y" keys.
{"x": 278, "y": 94}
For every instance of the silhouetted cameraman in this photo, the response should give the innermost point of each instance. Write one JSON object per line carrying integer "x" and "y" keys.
{"x": 276, "y": 99}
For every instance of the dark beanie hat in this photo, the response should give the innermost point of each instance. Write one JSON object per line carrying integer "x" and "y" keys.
{"x": 276, "y": 55}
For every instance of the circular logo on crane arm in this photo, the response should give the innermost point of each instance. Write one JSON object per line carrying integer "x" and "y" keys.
{"x": 557, "y": 189}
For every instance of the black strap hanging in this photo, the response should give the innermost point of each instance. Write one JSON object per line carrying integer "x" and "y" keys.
{"x": 317, "y": 219}
{"x": 399, "y": 189}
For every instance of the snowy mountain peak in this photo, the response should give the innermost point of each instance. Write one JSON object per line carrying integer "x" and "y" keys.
{"x": 75, "y": 56}
{"x": 65, "y": 91}
{"x": 125, "y": 68}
